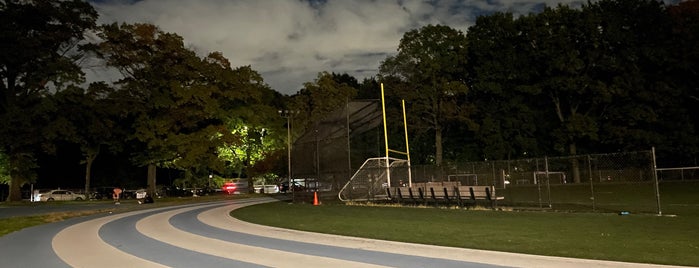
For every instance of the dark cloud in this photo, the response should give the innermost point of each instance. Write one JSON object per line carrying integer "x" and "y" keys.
{"x": 289, "y": 41}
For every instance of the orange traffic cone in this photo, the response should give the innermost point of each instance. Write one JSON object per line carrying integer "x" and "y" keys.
{"x": 315, "y": 198}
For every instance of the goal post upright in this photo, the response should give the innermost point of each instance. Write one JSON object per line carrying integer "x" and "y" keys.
{"x": 407, "y": 147}
{"x": 388, "y": 150}
{"x": 385, "y": 135}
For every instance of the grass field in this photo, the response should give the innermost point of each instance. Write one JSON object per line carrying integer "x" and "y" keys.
{"x": 630, "y": 238}
{"x": 678, "y": 198}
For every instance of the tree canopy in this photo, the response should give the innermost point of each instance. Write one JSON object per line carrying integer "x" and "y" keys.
{"x": 179, "y": 103}
{"x": 38, "y": 56}
{"x": 599, "y": 78}
{"x": 429, "y": 72}
{"x": 610, "y": 75}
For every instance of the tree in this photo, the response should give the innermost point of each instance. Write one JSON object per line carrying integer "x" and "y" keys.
{"x": 179, "y": 103}
{"x": 326, "y": 94}
{"x": 88, "y": 118}
{"x": 505, "y": 110}
{"x": 633, "y": 44}
{"x": 38, "y": 56}
{"x": 684, "y": 62}
{"x": 600, "y": 74}
{"x": 431, "y": 66}
{"x": 253, "y": 124}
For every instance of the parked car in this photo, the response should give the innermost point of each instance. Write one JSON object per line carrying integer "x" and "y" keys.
{"x": 58, "y": 195}
{"x": 196, "y": 191}
{"x": 173, "y": 191}
{"x": 284, "y": 187}
{"x": 267, "y": 189}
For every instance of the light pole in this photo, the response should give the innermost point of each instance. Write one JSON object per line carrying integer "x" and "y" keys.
{"x": 288, "y": 114}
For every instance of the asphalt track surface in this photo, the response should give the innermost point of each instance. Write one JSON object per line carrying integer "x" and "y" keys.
{"x": 204, "y": 235}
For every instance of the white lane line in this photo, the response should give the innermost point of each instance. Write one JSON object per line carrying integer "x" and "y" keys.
{"x": 80, "y": 245}
{"x": 219, "y": 217}
{"x": 157, "y": 226}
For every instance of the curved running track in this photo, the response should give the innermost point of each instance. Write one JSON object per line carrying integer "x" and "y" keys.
{"x": 204, "y": 235}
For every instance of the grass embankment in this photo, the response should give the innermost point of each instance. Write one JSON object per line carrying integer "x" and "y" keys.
{"x": 630, "y": 238}
{"x": 13, "y": 224}
{"x": 9, "y": 225}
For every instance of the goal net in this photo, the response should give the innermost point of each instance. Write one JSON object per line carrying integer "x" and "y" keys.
{"x": 373, "y": 177}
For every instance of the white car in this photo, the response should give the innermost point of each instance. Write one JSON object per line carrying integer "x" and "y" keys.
{"x": 58, "y": 195}
{"x": 267, "y": 189}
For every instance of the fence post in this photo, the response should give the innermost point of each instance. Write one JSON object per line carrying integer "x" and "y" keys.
{"x": 538, "y": 184}
{"x": 655, "y": 179}
{"x": 592, "y": 187}
{"x": 494, "y": 176}
{"x": 548, "y": 180}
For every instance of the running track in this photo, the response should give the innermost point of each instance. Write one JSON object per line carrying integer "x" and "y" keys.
{"x": 204, "y": 235}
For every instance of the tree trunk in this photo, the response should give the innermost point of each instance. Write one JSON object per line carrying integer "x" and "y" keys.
{"x": 17, "y": 165}
{"x": 575, "y": 165}
{"x": 15, "y": 193}
{"x": 438, "y": 145}
{"x": 151, "y": 178}
{"x": 89, "y": 159}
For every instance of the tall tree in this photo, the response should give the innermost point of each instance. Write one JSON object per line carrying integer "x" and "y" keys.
{"x": 595, "y": 77}
{"x": 88, "y": 119}
{"x": 633, "y": 61}
{"x": 179, "y": 102}
{"x": 557, "y": 39}
{"x": 684, "y": 149}
{"x": 38, "y": 56}
{"x": 506, "y": 112}
{"x": 431, "y": 64}
{"x": 253, "y": 122}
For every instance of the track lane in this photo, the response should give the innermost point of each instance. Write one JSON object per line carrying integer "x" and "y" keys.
{"x": 158, "y": 227}
{"x": 204, "y": 235}
{"x": 303, "y": 242}
{"x": 80, "y": 245}
{"x": 124, "y": 235}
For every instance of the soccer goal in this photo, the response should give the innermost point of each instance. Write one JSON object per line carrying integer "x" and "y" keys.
{"x": 554, "y": 177}
{"x": 464, "y": 179}
{"x": 372, "y": 178}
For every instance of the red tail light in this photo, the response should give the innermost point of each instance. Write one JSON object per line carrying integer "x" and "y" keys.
{"x": 228, "y": 187}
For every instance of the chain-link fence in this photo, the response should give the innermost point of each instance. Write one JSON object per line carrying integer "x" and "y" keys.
{"x": 678, "y": 174}
{"x": 627, "y": 181}
{"x": 333, "y": 150}
{"x": 601, "y": 182}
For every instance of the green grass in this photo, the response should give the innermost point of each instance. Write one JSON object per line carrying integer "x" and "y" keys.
{"x": 631, "y": 238}
{"x": 10, "y": 225}
{"x": 677, "y": 197}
